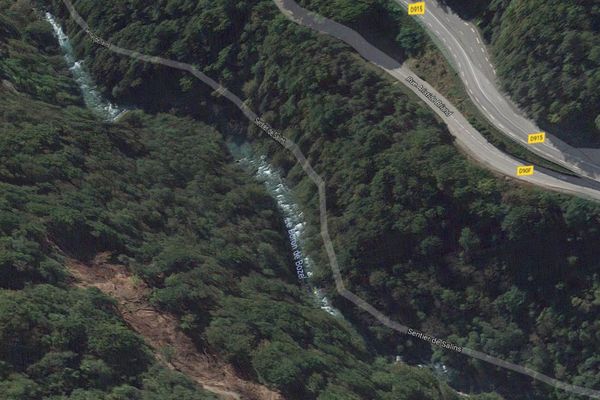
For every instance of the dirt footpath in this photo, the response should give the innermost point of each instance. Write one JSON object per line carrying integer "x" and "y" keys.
{"x": 161, "y": 331}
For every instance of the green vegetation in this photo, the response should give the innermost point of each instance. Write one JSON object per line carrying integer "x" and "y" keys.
{"x": 160, "y": 194}
{"x": 62, "y": 344}
{"x": 394, "y": 32}
{"x": 431, "y": 66}
{"x": 400, "y": 37}
{"x": 427, "y": 237}
{"x": 434, "y": 241}
{"x": 547, "y": 55}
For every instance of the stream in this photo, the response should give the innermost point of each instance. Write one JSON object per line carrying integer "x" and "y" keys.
{"x": 91, "y": 95}
{"x": 256, "y": 165}
{"x": 293, "y": 216}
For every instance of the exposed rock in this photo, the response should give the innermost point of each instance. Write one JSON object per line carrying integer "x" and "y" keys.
{"x": 9, "y": 86}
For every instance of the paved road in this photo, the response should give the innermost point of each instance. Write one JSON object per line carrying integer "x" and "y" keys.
{"x": 464, "y": 47}
{"x": 301, "y": 16}
{"x": 467, "y": 137}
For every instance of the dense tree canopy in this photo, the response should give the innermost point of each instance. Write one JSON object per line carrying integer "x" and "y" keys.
{"x": 547, "y": 55}
{"x": 421, "y": 233}
{"x": 161, "y": 195}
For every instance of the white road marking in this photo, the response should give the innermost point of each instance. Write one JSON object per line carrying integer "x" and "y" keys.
{"x": 482, "y": 50}
{"x": 470, "y": 65}
{"x": 476, "y": 38}
{"x": 498, "y": 99}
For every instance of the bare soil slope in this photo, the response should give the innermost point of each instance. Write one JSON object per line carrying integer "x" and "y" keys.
{"x": 161, "y": 331}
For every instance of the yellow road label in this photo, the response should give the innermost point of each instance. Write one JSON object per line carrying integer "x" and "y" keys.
{"x": 525, "y": 170}
{"x": 416, "y": 8}
{"x": 537, "y": 137}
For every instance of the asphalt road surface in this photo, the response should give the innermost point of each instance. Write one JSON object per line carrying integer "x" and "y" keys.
{"x": 463, "y": 46}
{"x": 297, "y": 14}
{"x": 467, "y": 137}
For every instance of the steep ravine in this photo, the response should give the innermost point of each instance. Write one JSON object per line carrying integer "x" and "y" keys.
{"x": 172, "y": 346}
{"x": 91, "y": 96}
{"x": 292, "y": 214}
{"x": 255, "y": 164}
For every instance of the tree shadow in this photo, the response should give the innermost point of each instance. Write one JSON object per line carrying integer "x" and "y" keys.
{"x": 466, "y": 9}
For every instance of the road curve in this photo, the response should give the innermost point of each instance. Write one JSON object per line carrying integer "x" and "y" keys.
{"x": 467, "y": 137}
{"x": 320, "y": 183}
{"x": 464, "y": 47}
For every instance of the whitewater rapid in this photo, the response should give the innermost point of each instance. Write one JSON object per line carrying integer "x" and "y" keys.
{"x": 262, "y": 170}
{"x": 293, "y": 218}
{"x": 91, "y": 95}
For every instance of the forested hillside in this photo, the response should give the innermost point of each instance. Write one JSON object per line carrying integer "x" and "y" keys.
{"x": 159, "y": 194}
{"x": 57, "y": 342}
{"x": 421, "y": 233}
{"x": 547, "y": 54}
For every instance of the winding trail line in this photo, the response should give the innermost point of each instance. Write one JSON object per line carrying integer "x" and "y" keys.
{"x": 292, "y": 147}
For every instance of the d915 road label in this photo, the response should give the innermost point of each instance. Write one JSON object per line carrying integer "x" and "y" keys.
{"x": 416, "y": 8}
{"x": 537, "y": 137}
